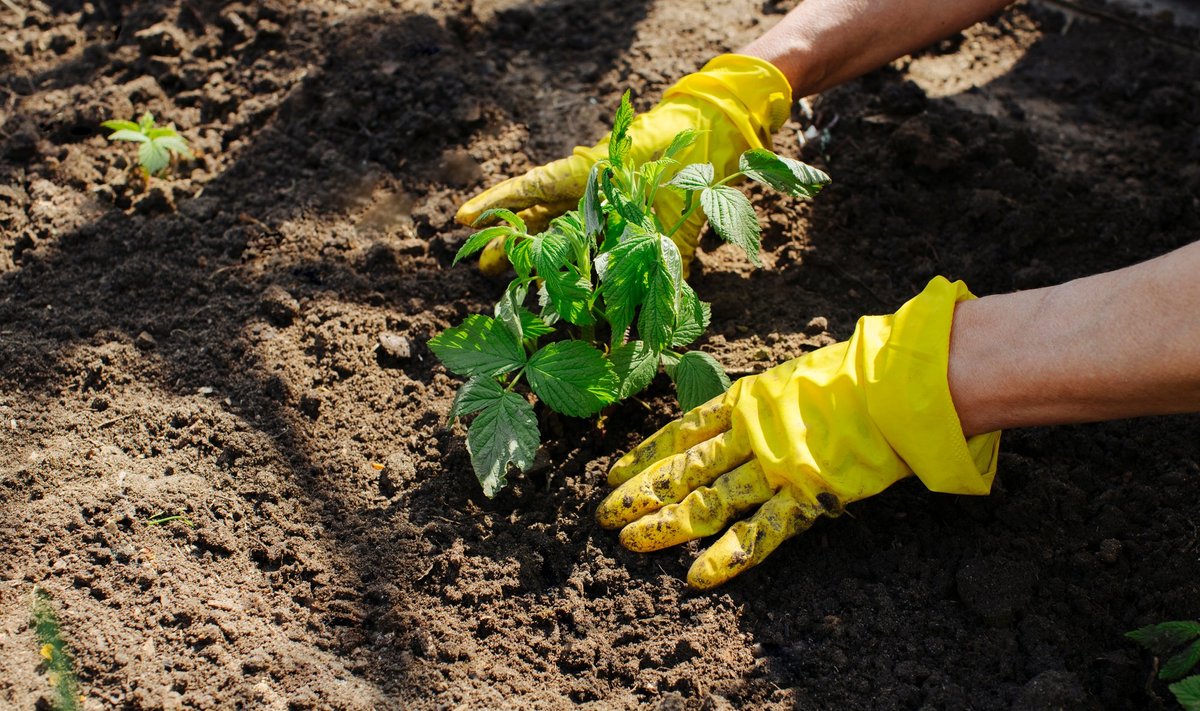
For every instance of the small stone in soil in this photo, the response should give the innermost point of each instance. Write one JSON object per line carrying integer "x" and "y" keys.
{"x": 395, "y": 345}
{"x": 145, "y": 342}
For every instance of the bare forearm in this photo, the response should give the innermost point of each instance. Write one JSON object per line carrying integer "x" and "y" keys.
{"x": 823, "y": 43}
{"x": 1114, "y": 345}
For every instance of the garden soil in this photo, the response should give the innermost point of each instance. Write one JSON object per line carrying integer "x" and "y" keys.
{"x": 244, "y": 344}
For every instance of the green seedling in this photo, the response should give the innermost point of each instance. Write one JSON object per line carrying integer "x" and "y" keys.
{"x": 160, "y": 145}
{"x": 167, "y": 519}
{"x": 599, "y": 303}
{"x": 1179, "y": 644}
{"x": 60, "y": 667}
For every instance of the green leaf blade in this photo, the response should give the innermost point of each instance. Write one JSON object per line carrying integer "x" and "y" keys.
{"x": 127, "y": 134}
{"x": 504, "y": 433}
{"x": 1187, "y": 693}
{"x": 682, "y": 141}
{"x": 1181, "y": 663}
{"x": 694, "y": 317}
{"x": 698, "y": 379}
{"x": 619, "y": 142}
{"x": 635, "y": 364}
{"x": 474, "y": 395}
{"x": 626, "y": 271}
{"x": 572, "y": 377}
{"x": 478, "y": 346}
{"x": 788, "y": 176}
{"x": 121, "y": 125}
{"x": 1164, "y": 637}
{"x": 570, "y": 294}
{"x": 479, "y": 240}
{"x": 500, "y": 213}
{"x": 153, "y": 157}
{"x": 696, "y": 176}
{"x": 732, "y": 216}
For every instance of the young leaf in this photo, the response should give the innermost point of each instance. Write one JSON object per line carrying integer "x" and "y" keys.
{"x": 146, "y": 122}
{"x": 570, "y": 225}
{"x": 478, "y": 346}
{"x": 520, "y": 253}
{"x": 479, "y": 240}
{"x": 173, "y": 143}
{"x": 619, "y": 142}
{"x": 589, "y": 205}
{"x": 732, "y": 216}
{"x": 698, "y": 378}
{"x": 126, "y": 134}
{"x": 572, "y": 377}
{"x": 783, "y": 174}
{"x": 1165, "y": 637}
{"x": 1187, "y": 693}
{"x": 696, "y": 176}
{"x": 1181, "y": 663}
{"x": 551, "y": 251}
{"x": 504, "y": 432}
{"x": 570, "y": 294}
{"x": 635, "y": 364}
{"x": 694, "y": 316}
{"x": 153, "y": 157}
{"x": 651, "y": 174}
{"x": 618, "y": 202}
{"x": 474, "y": 395}
{"x": 549, "y": 315}
{"x": 121, "y": 125}
{"x": 500, "y": 213}
{"x": 669, "y": 360}
{"x": 682, "y": 140}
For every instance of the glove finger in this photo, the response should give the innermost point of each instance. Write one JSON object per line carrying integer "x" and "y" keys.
{"x": 702, "y": 513}
{"x": 748, "y": 542}
{"x": 562, "y": 181}
{"x": 669, "y": 480}
{"x": 701, "y": 423}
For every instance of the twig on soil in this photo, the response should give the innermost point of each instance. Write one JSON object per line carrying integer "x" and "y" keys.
{"x": 13, "y": 6}
{"x": 115, "y": 420}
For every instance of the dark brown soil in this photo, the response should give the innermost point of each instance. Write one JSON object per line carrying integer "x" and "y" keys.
{"x": 210, "y": 346}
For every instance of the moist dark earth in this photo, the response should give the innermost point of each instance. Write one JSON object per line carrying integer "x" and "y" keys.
{"x": 243, "y": 343}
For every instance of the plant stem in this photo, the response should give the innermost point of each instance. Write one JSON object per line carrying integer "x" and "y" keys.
{"x": 516, "y": 379}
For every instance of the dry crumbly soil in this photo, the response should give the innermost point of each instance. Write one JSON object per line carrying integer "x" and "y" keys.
{"x": 209, "y": 345}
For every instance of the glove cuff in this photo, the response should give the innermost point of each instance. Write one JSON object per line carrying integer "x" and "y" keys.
{"x": 751, "y": 92}
{"x": 908, "y": 395}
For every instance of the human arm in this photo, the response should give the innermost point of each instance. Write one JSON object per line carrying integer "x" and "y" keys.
{"x": 822, "y": 43}
{"x": 1120, "y": 344}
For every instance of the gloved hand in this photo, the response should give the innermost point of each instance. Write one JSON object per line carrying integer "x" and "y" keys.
{"x": 737, "y": 101}
{"x": 802, "y": 439}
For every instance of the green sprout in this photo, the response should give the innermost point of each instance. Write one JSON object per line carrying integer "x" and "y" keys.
{"x": 60, "y": 667}
{"x": 160, "y": 145}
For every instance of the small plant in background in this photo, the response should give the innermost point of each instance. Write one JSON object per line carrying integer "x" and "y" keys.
{"x": 609, "y": 290}
{"x": 1179, "y": 643}
{"x": 161, "y": 146}
{"x": 60, "y": 668}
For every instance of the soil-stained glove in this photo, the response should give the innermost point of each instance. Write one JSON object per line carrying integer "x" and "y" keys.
{"x": 803, "y": 439}
{"x": 737, "y": 101}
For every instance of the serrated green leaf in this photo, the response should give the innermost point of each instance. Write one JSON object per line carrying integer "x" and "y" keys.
{"x": 504, "y": 432}
{"x": 474, "y": 395}
{"x": 656, "y": 321}
{"x": 570, "y": 225}
{"x": 479, "y": 240}
{"x": 1164, "y": 637}
{"x": 551, "y": 251}
{"x": 698, "y": 378}
{"x": 732, "y": 216}
{"x": 669, "y": 360}
{"x": 626, "y": 276}
{"x": 572, "y": 377}
{"x": 127, "y": 134}
{"x": 589, "y": 206}
{"x": 121, "y": 125}
{"x": 696, "y": 176}
{"x": 478, "y": 346}
{"x": 694, "y": 316}
{"x": 619, "y": 142}
{"x": 681, "y": 141}
{"x": 1181, "y": 663}
{"x": 619, "y": 203}
{"x": 146, "y": 122}
{"x": 786, "y": 175}
{"x": 520, "y": 254}
{"x": 570, "y": 293}
{"x": 153, "y": 157}
{"x": 1187, "y": 693}
{"x": 651, "y": 173}
{"x": 174, "y": 144}
{"x": 500, "y": 213}
{"x": 532, "y": 325}
{"x": 635, "y": 364}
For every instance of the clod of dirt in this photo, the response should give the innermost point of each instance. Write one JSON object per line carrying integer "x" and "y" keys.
{"x": 1110, "y": 551}
{"x": 1057, "y": 690}
{"x": 996, "y": 589}
{"x": 145, "y": 342}
{"x": 161, "y": 40}
{"x": 903, "y": 99}
{"x": 157, "y": 201}
{"x": 395, "y": 346}
{"x": 279, "y": 306}
{"x": 816, "y": 325}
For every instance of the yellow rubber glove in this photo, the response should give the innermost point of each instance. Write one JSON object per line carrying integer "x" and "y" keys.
{"x": 738, "y": 101}
{"x": 802, "y": 439}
